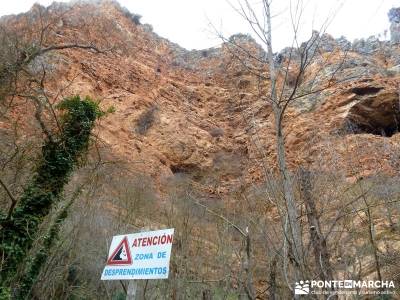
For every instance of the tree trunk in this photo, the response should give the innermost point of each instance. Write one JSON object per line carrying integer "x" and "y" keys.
{"x": 272, "y": 278}
{"x": 248, "y": 268}
{"x": 318, "y": 242}
{"x": 294, "y": 233}
{"x": 207, "y": 295}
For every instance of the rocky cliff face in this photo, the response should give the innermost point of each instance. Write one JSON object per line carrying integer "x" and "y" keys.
{"x": 199, "y": 126}
{"x": 180, "y": 111}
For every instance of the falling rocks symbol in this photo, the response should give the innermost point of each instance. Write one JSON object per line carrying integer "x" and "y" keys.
{"x": 121, "y": 255}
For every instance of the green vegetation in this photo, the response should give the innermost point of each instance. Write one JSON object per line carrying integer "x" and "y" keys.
{"x": 60, "y": 154}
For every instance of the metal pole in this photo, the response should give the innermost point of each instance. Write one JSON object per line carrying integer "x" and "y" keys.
{"x": 132, "y": 290}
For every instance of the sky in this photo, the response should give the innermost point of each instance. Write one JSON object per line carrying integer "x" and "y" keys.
{"x": 193, "y": 23}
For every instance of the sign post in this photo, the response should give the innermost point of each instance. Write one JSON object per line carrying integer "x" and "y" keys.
{"x": 143, "y": 255}
{"x": 132, "y": 290}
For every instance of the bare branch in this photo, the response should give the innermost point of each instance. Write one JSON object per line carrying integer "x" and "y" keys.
{"x": 12, "y": 198}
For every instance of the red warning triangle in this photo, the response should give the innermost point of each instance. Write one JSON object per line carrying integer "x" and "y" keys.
{"x": 121, "y": 255}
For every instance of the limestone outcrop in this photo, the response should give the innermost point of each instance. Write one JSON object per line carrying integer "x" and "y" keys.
{"x": 210, "y": 107}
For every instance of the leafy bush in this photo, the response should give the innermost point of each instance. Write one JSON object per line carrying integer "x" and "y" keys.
{"x": 134, "y": 17}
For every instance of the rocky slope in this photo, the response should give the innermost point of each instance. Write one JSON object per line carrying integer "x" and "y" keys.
{"x": 199, "y": 126}
{"x": 180, "y": 111}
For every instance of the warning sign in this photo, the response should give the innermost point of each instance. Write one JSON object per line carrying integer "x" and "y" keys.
{"x": 143, "y": 255}
{"x": 121, "y": 254}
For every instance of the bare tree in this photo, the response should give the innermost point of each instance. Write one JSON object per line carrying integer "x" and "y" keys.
{"x": 280, "y": 96}
{"x": 281, "y": 83}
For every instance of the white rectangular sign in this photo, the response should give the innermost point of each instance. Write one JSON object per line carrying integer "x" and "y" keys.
{"x": 143, "y": 255}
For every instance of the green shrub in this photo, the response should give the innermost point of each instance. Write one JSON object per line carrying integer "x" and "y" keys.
{"x": 60, "y": 154}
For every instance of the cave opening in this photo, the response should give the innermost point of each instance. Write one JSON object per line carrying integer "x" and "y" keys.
{"x": 368, "y": 90}
{"x": 183, "y": 168}
{"x": 353, "y": 127}
{"x": 374, "y": 117}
